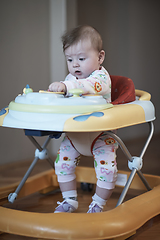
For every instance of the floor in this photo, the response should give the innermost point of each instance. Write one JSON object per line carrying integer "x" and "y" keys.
{"x": 46, "y": 203}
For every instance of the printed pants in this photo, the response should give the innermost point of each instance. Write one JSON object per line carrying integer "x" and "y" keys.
{"x": 104, "y": 154}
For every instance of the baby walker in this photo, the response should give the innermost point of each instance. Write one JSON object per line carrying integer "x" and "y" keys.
{"x": 40, "y": 114}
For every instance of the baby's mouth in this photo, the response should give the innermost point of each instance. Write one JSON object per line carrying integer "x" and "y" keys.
{"x": 78, "y": 72}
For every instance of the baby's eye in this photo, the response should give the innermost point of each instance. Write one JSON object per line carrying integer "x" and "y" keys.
{"x": 81, "y": 59}
{"x": 69, "y": 60}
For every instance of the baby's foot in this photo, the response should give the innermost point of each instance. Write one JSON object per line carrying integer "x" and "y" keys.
{"x": 94, "y": 207}
{"x": 68, "y": 205}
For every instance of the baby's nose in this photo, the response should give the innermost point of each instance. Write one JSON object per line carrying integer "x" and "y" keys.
{"x": 75, "y": 63}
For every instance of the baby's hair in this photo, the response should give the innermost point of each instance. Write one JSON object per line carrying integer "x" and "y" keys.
{"x": 82, "y": 33}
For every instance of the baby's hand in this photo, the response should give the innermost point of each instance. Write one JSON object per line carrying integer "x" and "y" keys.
{"x": 57, "y": 87}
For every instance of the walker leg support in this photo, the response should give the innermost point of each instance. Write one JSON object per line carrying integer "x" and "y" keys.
{"x": 140, "y": 174}
{"x": 148, "y": 139}
{"x": 122, "y": 145}
{"x": 131, "y": 160}
{"x": 142, "y": 154}
{"x": 13, "y": 196}
{"x": 36, "y": 144}
{"x": 125, "y": 189}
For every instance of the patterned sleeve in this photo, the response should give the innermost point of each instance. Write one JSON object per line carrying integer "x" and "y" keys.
{"x": 98, "y": 82}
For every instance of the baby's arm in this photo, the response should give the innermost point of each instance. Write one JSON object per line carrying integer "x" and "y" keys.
{"x": 57, "y": 87}
{"x": 97, "y": 84}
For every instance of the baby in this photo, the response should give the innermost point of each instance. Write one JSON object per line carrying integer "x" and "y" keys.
{"x": 82, "y": 47}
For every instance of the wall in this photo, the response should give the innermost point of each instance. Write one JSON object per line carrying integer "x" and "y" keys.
{"x": 130, "y": 31}
{"x": 24, "y": 59}
{"x": 30, "y": 53}
{"x": 30, "y": 44}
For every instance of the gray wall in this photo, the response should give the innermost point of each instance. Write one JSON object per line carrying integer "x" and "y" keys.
{"x": 130, "y": 30}
{"x": 24, "y": 59}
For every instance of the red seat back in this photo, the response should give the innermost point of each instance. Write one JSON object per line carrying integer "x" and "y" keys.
{"x": 122, "y": 90}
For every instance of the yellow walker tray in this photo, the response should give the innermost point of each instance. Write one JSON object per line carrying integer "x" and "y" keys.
{"x": 118, "y": 223}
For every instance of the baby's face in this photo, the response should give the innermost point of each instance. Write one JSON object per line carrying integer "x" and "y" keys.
{"x": 82, "y": 59}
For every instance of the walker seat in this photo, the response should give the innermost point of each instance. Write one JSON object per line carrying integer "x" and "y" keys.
{"x": 50, "y": 114}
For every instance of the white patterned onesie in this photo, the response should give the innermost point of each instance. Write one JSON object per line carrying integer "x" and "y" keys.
{"x": 96, "y": 144}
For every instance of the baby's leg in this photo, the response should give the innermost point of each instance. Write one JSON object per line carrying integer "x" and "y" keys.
{"x": 66, "y": 161}
{"x": 104, "y": 152}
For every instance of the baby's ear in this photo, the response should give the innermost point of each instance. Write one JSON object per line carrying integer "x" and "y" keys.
{"x": 101, "y": 56}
